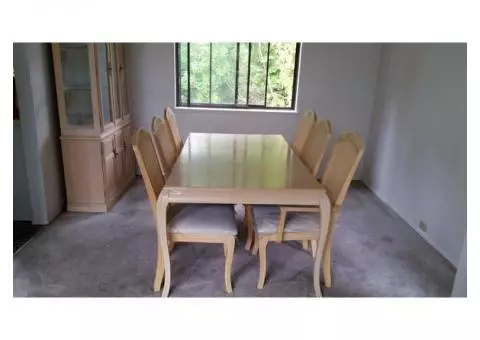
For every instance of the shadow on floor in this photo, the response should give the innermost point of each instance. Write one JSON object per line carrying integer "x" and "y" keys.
{"x": 23, "y": 232}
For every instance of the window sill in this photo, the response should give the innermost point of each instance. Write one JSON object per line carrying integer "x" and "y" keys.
{"x": 221, "y": 109}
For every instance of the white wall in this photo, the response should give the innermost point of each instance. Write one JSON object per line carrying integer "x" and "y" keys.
{"x": 40, "y": 133}
{"x": 336, "y": 80}
{"x": 416, "y": 154}
{"x": 22, "y": 211}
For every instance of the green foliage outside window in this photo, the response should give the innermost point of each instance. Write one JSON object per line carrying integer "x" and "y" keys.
{"x": 237, "y": 74}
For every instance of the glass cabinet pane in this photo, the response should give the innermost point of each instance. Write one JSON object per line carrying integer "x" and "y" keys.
{"x": 122, "y": 80}
{"x": 78, "y": 105}
{"x": 76, "y": 84}
{"x": 114, "y": 80}
{"x": 75, "y": 69}
{"x": 102, "y": 55}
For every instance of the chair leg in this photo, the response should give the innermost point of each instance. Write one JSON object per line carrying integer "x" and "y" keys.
{"x": 263, "y": 261}
{"x": 225, "y": 249}
{"x": 255, "y": 245}
{"x": 314, "y": 247}
{"x": 229, "y": 246}
{"x": 247, "y": 220}
{"x": 305, "y": 244}
{"x": 327, "y": 269}
{"x": 160, "y": 271}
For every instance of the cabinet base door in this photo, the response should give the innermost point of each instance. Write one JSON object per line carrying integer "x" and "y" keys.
{"x": 82, "y": 163}
{"x": 109, "y": 167}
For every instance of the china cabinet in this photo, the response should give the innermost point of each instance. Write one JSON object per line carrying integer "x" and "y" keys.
{"x": 95, "y": 123}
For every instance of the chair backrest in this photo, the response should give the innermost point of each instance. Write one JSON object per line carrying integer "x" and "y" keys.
{"x": 167, "y": 153}
{"x": 174, "y": 131}
{"x": 149, "y": 165}
{"x": 316, "y": 144}
{"x": 337, "y": 176}
{"x": 303, "y": 129}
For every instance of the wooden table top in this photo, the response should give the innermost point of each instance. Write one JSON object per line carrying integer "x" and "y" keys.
{"x": 239, "y": 161}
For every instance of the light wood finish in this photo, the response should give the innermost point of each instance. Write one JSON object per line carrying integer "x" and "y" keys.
{"x": 255, "y": 245}
{"x": 313, "y": 136}
{"x": 110, "y": 166}
{"x": 174, "y": 130}
{"x": 166, "y": 151}
{"x": 149, "y": 165}
{"x": 342, "y": 164}
{"x": 337, "y": 176}
{"x": 150, "y": 168}
{"x": 247, "y": 222}
{"x": 82, "y": 161}
{"x": 230, "y": 249}
{"x": 241, "y": 169}
{"x": 303, "y": 129}
{"x": 316, "y": 144}
{"x": 122, "y": 81}
{"x": 263, "y": 262}
{"x": 97, "y": 158}
{"x": 314, "y": 246}
{"x": 66, "y": 128}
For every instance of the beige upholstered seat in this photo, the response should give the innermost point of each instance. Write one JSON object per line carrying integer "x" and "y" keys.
{"x": 203, "y": 223}
{"x": 266, "y": 220}
{"x": 209, "y": 219}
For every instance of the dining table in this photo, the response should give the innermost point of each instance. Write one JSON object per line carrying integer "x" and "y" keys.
{"x": 240, "y": 169}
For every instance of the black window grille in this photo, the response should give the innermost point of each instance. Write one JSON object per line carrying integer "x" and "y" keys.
{"x": 237, "y": 75}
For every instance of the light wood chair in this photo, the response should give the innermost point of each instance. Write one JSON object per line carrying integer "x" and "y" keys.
{"x": 174, "y": 131}
{"x": 200, "y": 223}
{"x": 303, "y": 129}
{"x": 165, "y": 148}
{"x": 312, "y": 152}
{"x": 316, "y": 144}
{"x": 307, "y": 121}
{"x": 273, "y": 223}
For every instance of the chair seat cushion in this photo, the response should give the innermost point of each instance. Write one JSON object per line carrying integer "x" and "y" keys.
{"x": 210, "y": 219}
{"x": 266, "y": 220}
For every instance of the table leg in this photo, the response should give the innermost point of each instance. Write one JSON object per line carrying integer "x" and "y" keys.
{"x": 162, "y": 204}
{"x": 324, "y": 225}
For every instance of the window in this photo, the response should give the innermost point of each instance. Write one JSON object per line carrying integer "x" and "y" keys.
{"x": 237, "y": 75}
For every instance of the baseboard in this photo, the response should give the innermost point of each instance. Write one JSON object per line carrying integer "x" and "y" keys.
{"x": 87, "y": 207}
{"x": 419, "y": 232}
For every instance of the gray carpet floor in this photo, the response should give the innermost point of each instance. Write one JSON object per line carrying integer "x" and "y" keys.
{"x": 375, "y": 254}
